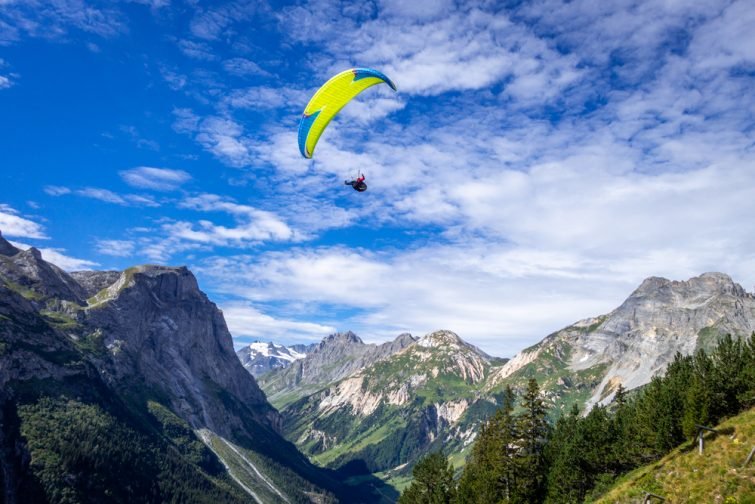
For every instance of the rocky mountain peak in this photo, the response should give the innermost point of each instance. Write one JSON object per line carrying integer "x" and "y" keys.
{"x": 347, "y": 338}
{"x": 6, "y": 248}
{"x": 261, "y": 357}
{"x": 638, "y": 339}
{"x": 39, "y": 280}
{"x": 700, "y": 287}
{"x": 442, "y": 338}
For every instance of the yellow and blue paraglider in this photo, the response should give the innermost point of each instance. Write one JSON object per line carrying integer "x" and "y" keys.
{"x": 330, "y": 99}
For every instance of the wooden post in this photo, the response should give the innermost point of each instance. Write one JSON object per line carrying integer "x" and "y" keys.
{"x": 749, "y": 457}
{"x": 649, "y": 496}
{"x": 700, "y": 431}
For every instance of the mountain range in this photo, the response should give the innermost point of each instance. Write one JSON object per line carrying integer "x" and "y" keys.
{"x": 130, "y": 376}
{"x": 349, "y": 406}
{"x": 124, "y": 387}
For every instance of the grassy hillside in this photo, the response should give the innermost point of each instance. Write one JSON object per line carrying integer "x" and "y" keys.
{"x": 685, "y": 476}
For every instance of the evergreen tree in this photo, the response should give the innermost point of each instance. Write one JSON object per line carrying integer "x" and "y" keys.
{"x": 533, "y": 432}
{"x": 433, "y": 482}
{"x": 700, "y": 395}
{"x": 565, "y": 480}
{"x": 489, "y": 473}
{"x": 747, "y": 397}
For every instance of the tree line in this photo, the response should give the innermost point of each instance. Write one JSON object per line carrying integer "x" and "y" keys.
{"x": 521, "y": 457}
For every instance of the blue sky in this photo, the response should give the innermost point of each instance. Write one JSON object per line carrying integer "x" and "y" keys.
{"x": 539, "y": 160}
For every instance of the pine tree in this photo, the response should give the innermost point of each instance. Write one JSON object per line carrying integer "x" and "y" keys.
{"x": 565, "y": 480}
{"x": 433, "y": 482}
{"x": 533, "y": 433}
{"x": 489, "y": 473}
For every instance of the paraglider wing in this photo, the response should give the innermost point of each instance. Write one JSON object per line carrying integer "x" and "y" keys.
{"x": 330, "y": 99}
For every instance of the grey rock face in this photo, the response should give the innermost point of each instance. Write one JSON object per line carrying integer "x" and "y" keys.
{"x": 305, "y": 349}
{"x": 25, "y": 340}
{"x": 94, "y": 281}
{"x": 6, "y": 248}
{"x": 158, "y": 326}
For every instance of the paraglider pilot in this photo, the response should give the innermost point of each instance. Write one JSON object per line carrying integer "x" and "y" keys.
{"x": 358, "y": 184}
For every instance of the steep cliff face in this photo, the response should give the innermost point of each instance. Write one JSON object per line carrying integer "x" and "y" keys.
{"x": 160, "y": 328}
{"x": 94, "y": 281}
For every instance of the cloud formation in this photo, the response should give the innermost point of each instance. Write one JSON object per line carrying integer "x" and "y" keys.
{"x": 158, "y": 179}
{"x": 13, "y": 224}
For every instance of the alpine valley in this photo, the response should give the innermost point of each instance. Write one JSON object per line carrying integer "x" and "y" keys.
{"x": 123, "y": 386}
{"x": 370, "y": 409}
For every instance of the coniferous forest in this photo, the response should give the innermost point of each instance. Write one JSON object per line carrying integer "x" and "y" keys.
{"x": 520, "y": 456}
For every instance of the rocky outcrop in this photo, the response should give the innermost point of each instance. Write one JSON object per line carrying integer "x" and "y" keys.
{"x": 422, "y": 390}
{"x": 6, "y": 248}
{"x": 37, "y": 279}
{"x": 662, "y": 317}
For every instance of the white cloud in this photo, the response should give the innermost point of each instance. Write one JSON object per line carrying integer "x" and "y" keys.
{"x": 5, "y": 82}
{"x": 101, "y": 194}
{"x": 265, "y": 98}
{"x": 56, "y": 190}
{"x": 417, "y": 10}
{"x": 221, "y": 136}
{"x": 54, "y": 19}
{"x": 244, "y": 67}
{"x": 116, "y": 248}
{"x": 159, "y": 179}
{"x": 246, "y": 321}
{"x": 253, "y": 225}
{"x": 495, "y": 299}
{"x": 68, "y": 263}
{"x": 197, "y": 50}
{"x": 464, "y": 49}
{"x": 109, "y": 196}
{"x": 12, "y": 224}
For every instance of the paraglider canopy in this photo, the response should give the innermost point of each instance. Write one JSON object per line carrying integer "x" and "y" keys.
{"x": 330, "y": 99}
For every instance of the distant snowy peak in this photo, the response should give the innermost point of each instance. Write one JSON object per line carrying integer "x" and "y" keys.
{"x": 270, "y": 349}
{"x": 261, "y": 357}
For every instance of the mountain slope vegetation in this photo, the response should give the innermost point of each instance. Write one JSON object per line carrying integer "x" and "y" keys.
{"x": 718, "y": 475}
